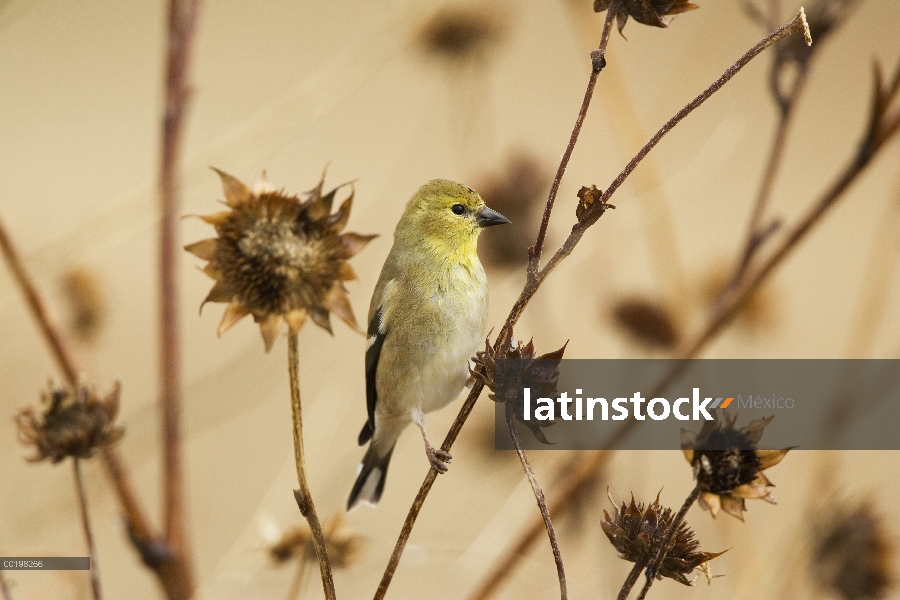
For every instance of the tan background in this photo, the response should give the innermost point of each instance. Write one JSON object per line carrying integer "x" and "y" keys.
{"x": 291, "y": 86}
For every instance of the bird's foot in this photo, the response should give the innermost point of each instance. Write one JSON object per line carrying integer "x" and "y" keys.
{"x": 439, "y": 459}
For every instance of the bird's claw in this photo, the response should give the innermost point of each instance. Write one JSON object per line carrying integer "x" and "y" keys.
{"x": 439, "y": 459}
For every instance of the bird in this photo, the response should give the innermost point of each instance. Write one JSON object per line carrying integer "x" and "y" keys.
{"x": 426, "y": 319}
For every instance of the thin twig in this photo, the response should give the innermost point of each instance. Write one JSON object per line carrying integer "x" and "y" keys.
{"x": 86, "y": 523}
{"x": 535, "y": 279}
{"x": 598, "y": 61}
{"x": 182, "y": 21}
{"x": 49, "y": 329}
{"x": 539, "y": 497}
{"x": 631, "y": 579}
{"x": 303, "y": 495}
{"x": 299, "y": 578}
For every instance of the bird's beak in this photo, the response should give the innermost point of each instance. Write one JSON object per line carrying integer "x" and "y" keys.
{"x": 487, "y": 217}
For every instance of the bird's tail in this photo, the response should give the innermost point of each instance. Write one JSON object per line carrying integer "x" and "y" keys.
{"x": 370, "y": 478}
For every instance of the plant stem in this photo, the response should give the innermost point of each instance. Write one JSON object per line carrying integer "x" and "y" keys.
{"x": 663, "y": 550}
{"x": 302, "y": 495}
{"x": 299, "y": 578}
{"x": 539, "y": 497}
{"x": 86, "y": 523}
{"x": 536, "y": 278}
{"x": 631, "y": 579}
{"x": 49, "y": 329}
{"x": 598, "y": 61}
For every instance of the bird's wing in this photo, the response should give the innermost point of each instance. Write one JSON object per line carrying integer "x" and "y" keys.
{"x": 376, "y": 334}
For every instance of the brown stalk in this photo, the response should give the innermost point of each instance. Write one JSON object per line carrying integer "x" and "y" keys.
{"x": 86, "y": 524}
{"x": 539, "y": 497}
{"x": 4, "y": 589}
{"x": 664, "y": 546}
{"x": 882, "y": 128}
{"x": 632, "y": 578}
{"x": 598, "y": 61}
{"x": 536, "y": 278}
{"x": 182, "y": 20}
{"x": 303, "y": 495}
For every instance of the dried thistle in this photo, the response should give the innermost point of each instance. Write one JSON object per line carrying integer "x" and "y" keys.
{"x": 514, "y": 367}
{"x": 297, "y": 543}
{"x": 728, "y": 465}
{"x": 458, "y": 34}
{"x": 636, "y": 532}
{"x": 647, "y": 12}
{"x": 74, "y": 423}
{"x": 279, "y": 258}
{"x": 517, "y": 193}
{"x": 649, "y": 322}
{"x": 853, "y": 555}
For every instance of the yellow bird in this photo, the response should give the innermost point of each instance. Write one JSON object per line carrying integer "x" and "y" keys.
{"x": 426, "y": 320}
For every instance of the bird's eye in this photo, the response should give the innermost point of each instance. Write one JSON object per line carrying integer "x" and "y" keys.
{"x": 458, "y": 209}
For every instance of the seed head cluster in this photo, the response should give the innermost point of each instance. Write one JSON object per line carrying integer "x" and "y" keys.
{"x": 636, "y": 532}
{"x": 280, "y": 258}
{"x": 728, "y": 465}
{"x": 74, "y": 423}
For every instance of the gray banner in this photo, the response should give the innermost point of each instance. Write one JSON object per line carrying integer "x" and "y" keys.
{"x": 645, "y": 404}
{"x": 45, "y": 563}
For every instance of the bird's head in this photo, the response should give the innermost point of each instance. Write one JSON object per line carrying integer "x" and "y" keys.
{"x": 448, "y": 217}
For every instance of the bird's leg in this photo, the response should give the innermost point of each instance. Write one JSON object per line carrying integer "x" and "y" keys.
{"x": 438, "y": 458}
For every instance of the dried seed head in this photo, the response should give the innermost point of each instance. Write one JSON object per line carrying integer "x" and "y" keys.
{"x": 647, "y": 321}
{"x": 728, "y": 465}
{"x": 458, "y": 34}
{"x": 297, "y": 543}
{"x": 854, "y": 555}
{"x": 279, "y": 257}
{"x": 648, "y": 12}
{"x": 636, "y": 532}
{"x": 517, "y": 192}
{"x": 514, "y": 367}
{"x": 86, "y": 303}
{"x": 74, "y": 423}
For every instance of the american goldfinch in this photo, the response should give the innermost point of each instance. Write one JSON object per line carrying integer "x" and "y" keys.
{"x": 426, "y": 320}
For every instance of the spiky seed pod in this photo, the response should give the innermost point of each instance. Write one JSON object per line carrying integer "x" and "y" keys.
{"x": 279, "y": 258}
{"x": 647, "y": 12}
{"x": 514, "y": 367}
{"x": 649, "y": 322}
{"x": 728, "y": 465}
{"x": 73, "y": 423}
{"x": 854, "y": 555}
{"x": 636, "y": 532}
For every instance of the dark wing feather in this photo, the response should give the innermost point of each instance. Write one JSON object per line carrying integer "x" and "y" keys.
{"x": 376, "y": 335}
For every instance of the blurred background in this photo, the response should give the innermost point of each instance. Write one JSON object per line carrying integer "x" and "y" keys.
{"x": 391, "y": 94}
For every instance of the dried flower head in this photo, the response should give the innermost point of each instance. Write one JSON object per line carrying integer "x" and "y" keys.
{"x": 636, "y": 532}
{"x": 86, "y": 303}
{"x": 459, "y": 34}
{"x": 648, "y": 12}
{"x": 297, "y": 543}
{"x": 516, "y": 192}
{"x": 590, "y": 203}
{"x": 727, "y": 464}
{"x": 514, "y": 367}
{"x": 279, "y": 257}
{"x": 853, "y": 555}
{"x": 74, "y": 423}
{"x": 647, "y": 321}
